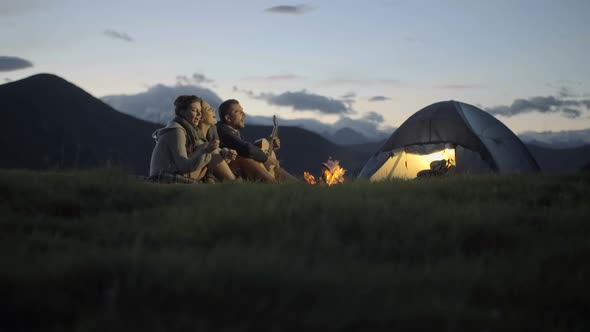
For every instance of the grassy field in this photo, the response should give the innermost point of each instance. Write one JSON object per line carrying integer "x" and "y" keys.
{"x": 100, "y": 251}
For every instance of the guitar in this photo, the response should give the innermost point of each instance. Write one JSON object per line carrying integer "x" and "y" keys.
{"x": 269, "y": 148}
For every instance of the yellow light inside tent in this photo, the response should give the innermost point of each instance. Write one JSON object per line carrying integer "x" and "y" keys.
{"x": 426, "y": 159}
{"x": 407, "y": 165}
{"x": 414, "y": 163}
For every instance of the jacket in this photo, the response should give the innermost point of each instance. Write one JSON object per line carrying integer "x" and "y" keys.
{"x": 170, "y": 155}
{"x": 231, "y": 139}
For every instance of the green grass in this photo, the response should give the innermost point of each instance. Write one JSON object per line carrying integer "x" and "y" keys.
{"x": 100, "y": 251}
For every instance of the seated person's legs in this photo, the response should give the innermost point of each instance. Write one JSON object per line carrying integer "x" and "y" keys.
{"x": 199, "y": 173}
{"x": 251, "y": 169}
{"x": 219, "y": 167}
{"x": 285, "y": 176}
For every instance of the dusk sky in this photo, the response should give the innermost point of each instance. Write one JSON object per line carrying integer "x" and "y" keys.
{"x": 379, "y": 61}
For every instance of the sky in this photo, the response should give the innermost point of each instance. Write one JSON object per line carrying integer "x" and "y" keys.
{"x": 375, "y": 62}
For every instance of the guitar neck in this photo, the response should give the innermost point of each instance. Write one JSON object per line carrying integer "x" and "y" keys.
{"x": 271, "y": 143}
{"x": 273, "y": 135}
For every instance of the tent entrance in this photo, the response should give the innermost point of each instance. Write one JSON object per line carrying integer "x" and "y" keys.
{"x": 406, "y": 163}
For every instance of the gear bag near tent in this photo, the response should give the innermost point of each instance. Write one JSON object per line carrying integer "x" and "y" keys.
{"x": 449, "y": 137}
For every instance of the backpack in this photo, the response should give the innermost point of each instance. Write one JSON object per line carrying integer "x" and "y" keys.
{"x": 437, "y": 168}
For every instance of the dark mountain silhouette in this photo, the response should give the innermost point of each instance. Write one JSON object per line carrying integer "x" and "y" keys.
{"x": 155, "y": 104}
{"x": 553, "y": 160}
{"x": 302, "y": 150}
{"x": 557, "y": 139}
{"x": 556, "y": 145}
{"x": 347, "y": 136}
{"x": 51, "y": 123}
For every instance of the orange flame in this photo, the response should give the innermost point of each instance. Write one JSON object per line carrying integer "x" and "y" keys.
{"x": 333, "y": 174}
{"x": 334, "y": 177}
{"x": 309, "y": 178}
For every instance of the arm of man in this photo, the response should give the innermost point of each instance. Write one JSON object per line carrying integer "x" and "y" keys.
{"x": 176, "y": 142}
{"x": 244, "y": 149}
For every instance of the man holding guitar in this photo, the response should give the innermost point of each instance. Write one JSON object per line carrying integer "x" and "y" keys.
{"x": 252, "y": 162}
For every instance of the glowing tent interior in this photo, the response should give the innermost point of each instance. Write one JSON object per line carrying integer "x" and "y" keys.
{"x": 467, "y": 139}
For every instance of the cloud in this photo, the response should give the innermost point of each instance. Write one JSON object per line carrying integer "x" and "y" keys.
{"x": 379, "y": 98}
{"x": 349, "y": 99}
{"x": 195, "y": 79}
{"x": 374, "y": 117}
{"x": 118, "y": 35}
{"x": 571, "y": 113}
{"x": 370, "y": 125}
{"x": 570, "y": 108}
{"x": 367, "y": 128}
{"x": 249, "y": 93}
{"x": 7, "y": 80}
{"x": 557, "y": 139}
{"x": 10, "y": 63}
{"x": 157, "y": 103}
{"x": 566, "y": 92}
{"x": 304, "y": 101}
{"x": 460, "y": 86}
{"x": 292, "y": 10}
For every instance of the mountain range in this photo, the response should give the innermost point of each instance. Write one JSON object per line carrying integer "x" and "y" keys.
{"x": 154, "y": 105}
{"x": 557, "y": 139}
{"x": 50, "y": 123}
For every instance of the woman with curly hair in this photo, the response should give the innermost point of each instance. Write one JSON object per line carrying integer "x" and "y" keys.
{"x": 180, "y": 154}
{"x": 218, "y": 167}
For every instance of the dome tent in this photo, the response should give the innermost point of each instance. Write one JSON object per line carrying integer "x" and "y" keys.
{"x": 470, "y": 139}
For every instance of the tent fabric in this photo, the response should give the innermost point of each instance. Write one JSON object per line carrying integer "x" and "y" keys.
{"x": 482, "y": 143}
{"x": 437, "y": 123}
{"x": 470, "y": 162}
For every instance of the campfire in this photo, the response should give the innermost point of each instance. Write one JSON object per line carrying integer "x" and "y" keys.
{"x": 332, "y": 174}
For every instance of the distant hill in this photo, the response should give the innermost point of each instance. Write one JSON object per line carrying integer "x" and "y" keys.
{"x": 302, "y": 150}
{"x": 48, "y": 122}
{"x": 155, "y": 105}
{"x": 560, "y": 160}
{"x": 51, "y": 123}
{"x": 347, "y": 135}
{"x": 557, "y": 139}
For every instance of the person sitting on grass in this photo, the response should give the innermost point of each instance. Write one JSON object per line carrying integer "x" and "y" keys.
{"x": 252, "y": 163}
{"x": 218, "y": 166}
{"x": 180, "y": 155}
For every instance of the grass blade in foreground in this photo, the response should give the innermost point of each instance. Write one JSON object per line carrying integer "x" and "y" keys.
{"x": 98, "y": 250}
